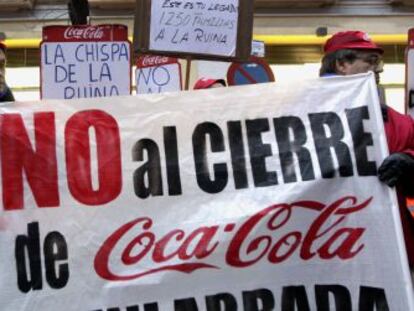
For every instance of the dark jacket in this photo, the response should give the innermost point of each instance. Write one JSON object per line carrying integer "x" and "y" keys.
{"x": 7, "y": 96}
{"x": 399, "y": 129}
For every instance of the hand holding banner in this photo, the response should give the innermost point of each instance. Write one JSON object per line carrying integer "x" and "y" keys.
{"x": 201, "y": 199}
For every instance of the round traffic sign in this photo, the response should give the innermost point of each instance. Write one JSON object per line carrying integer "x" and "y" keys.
{"x": 256, "y": 70}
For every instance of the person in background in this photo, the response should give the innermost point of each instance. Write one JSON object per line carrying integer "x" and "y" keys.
{"x": 6, "y": 94}
{"x": 205, "y": 83}
{"x": 353, "y": 52}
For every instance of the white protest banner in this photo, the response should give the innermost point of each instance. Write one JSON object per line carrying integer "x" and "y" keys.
{"x": 157, "y": 74}
{"x": 85, "y": 61}
{"x": 260, "y": 197}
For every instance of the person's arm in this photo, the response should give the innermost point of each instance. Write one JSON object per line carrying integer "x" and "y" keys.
{"x": 7, "y": 96}
{"x": 398, "y": 168}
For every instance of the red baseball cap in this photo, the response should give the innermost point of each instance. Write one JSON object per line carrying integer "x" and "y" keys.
{"x": 3, "y": 45}
{"x": 356, "y": 40}
{"x": 205, "y": 83}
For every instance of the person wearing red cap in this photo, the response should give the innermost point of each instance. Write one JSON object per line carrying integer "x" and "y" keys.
{"x": 6, "y": 94}
{"x": 205, "y": 83}
{"x": 353, "y": 52}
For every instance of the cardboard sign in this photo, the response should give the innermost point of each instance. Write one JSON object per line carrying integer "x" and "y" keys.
{"x": 409, "y": 63}
{"x": 85, "y": 61}
{"x": 202, "y": 29}
{"x": 252, "y": 198}
{"x": 157, "y": 74}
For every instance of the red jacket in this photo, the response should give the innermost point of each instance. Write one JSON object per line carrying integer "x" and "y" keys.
{"x": 399, "y": 130}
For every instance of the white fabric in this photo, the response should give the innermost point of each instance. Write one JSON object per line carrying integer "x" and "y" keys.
{"x": 379, "y": 260}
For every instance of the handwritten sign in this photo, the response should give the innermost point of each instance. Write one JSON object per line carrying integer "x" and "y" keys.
{"x": 194, "y": 26}
{"x": 85, "y": 61}
{"x": 157, "y": 74}
{"x": 208, "y": 28}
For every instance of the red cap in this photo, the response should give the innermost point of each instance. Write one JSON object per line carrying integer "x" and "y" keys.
{"x": 3, "y": 45}
{"x": 356, "y": 40}
{"x": 205, "y": 83}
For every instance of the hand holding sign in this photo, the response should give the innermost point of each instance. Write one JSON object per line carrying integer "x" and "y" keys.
{"x": 207, "y": 28}
{"x": 194, "y": 26}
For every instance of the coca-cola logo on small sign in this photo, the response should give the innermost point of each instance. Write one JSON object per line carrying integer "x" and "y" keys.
{"x": 87, "y": 33}
{"x": 153, "y": 60}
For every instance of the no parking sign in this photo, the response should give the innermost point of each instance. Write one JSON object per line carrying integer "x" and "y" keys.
{"x": 256, "y": 70}
{"x": 157, "y": 74}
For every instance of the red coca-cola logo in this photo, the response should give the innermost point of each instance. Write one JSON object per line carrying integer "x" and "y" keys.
{"x": 153, "y": 60}
{"x": 84, "y": 33}
{"x": 327, "y": 236}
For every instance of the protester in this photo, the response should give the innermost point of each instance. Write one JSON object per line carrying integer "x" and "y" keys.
{"x": 6, "y": 94}
{"x": 205, "y": 83}
{"x": 353, "y": 52}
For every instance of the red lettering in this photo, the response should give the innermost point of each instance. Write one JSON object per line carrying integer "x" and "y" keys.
{"x": 158, "y": 255}
{"x": 233, "y": 256}
{"x": 201, "y": 249}
{"x": 314, "y": 231}
{"x": 344, "y": 249}
{"x": 273, "y": 256}
{"x": 39, "y": 164}
{"x": 151, "y": 60}
{"x": 178, "y": 251}
{"x": 101, "y": 262}
{"x": 145, "y": 239}
{"x": 345, "y": 239}
{"x": 78, "y": 157}
{"x": 102, "y": 258}
{"x": 90, "y": 32}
